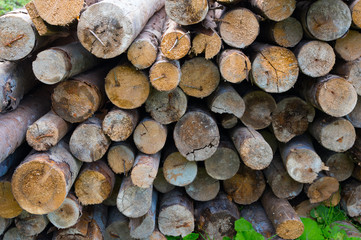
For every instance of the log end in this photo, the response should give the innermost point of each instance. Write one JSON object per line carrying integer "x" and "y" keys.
{"x": 118, "y": 126}
{"x": 234, "y": 66}
{"x": 277, "y": 11}
{"x": 120, "y": 159}
{"x": 142, "y": 54}
{"x": 178, "y": 171}
{"x": 322, "y": 189}
{"x": 165, "y": 76}
{"x": 186, "y": 12}
{"x": 40, "y": 137}
{"x": 349, "y": 46}
{"x": 184, "y": 220}
{"x": 143, "y": 175}
{"x": 256, "y": 154}
{"x": 9, "y": 206}
{"x": 288, "y": 33}
{"x": 150, "y": 136}
{"x": 290, "y": 229}
{"x": 66, "y": 215}
{"x": 356, "y": 14}
{"x": 175, "y": 45}
{"x": 210, "y": 45}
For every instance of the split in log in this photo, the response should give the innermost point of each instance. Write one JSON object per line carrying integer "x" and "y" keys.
{"x": 14, "y": 233}
{"x": 203, "y": 188}
{"x": 121, "y": 157}
{"x": 322, "y": 188}
{"x": 355, "y": 7}
{"x": 31, "y": 224}
{"x": 161, "y": 184}
{"x": 9, "y": 207}
{"x": 117, "y": 226}
{"x": 351, "y": 71}
{"x": 186, "y": 12}
{"x": 351, "y": 198}
{"x": 145, "y": 169}
{"x": 348, "y": 47}
{"x": 275, "y": 10}
{"x": 228, "y": 121}
{"x": 234, "y": 65}
{"x": 340, "y": 164}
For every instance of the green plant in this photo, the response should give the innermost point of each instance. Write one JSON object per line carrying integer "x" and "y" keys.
{"x": 8, "y": 5}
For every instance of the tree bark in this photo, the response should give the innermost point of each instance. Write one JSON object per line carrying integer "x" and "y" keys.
{"x": 31, "y": 224}
{"x": 145, "y": 169}
{"x": 322, "y": 188}
{"x": 234, "y": 65}
{"x": 351, "y": 198}
{"x": 186, "y": 12}
{"x": 111, "y": 201}
{"x": 161, "y": 184}
{"x": 121, "y": 156}
{"x": 117, "y": 226}
{"x": 203, "y": 188}
{"x": 351, "y": 71}
{"x": 304, "y": 208}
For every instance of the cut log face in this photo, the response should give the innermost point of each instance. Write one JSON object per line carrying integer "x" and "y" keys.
{"x": 340, "y": 165}
{"x": 355, "y": 7}
{"x": 196, "y": 135}
{"x": 351, "y": 71}
{"x": 291, "y": 118}
{"x": 210, "y": 45}
{"x": 285, "y": 220}
{"x": 259, "y": 107}
{"x": 9, "y": 207}
{"x": 203, "y": 188}
{"x": 121, "y": 158}
{"x": 161, "y": 184}
{"x": 351, "y": 198}
{"x": 14, "y": 233}
{"x": 176, "y": 214}
{"x": 107, "y": 29}
{"x": 178, "y": 171}
{"x": 145, "y": 169}
{"x": 234, "y": 65}
{"x": 348, "y": 47}
{"x": 286, "y": 33}
{"x": 31, "y": 224}
{"x": 42, "y": 181}
{"x": 322, "y": 189}
{"x": 274, "y": 69}
{"x": 246, "y": 187}
{"x": 239, "y": 27}
{"x": 117, "y": 226}
{"x": 166, "y": 107}
{"x": 200, "y": 77}
{"x": 228, "y": 121}
{"x": 315, "y": 58}
{"x": 127, "y": 87}
{"x": 275, "y": 11}
{"x": 186, "y": 12}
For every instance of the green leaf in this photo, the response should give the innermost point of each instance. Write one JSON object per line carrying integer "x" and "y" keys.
{"x": 173, "y": 238}
{"x": 327, "y": 215}
{"x": 227, "y": 238}
{"x": 243, "y": 225}
{"x": 245, "y": 231}
{"x": 312, "y": 230}
{"x": 192, "y": 236}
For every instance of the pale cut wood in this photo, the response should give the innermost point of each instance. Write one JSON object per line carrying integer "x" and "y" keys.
{"x": 88, "y": 143}
{"x": 239, "y": 27}
{"x": 145, "y": 169}
{"x": 300, "y": 159}
{"x": 95, "y": 183}
{"x": 331, "y": 94}
{"x": 225, "y": 99}
{"x": 255, "y": 152}
{"x": 134, "y": 201}
{"x": 166, "y": 107}
{"x": 107, "y": 29}
{"x": 68, "y": 214}
{"x": 282, "y": 185}
{"x": 275, "y": 10}
{"x": 9, "y": 207}
{"x": 325, "y": 20}
{"x": 215, "y": 219}
{"x": 47, "y": 131}
{"x": 234, "y": 65}
{"x": 14, "y": 233}
{"x": 351, "y": 198}
{"x": 178, "y": 171}
{"x": 285, "y": 220}
{"x": 143, "y": 51}
{"x": 340, "y": 164}
{"x": 203, "y": 188}
{"x": 43, "y": 180}
{"x": 150, "y": 136}
{"x": 59, "y": 63}
{"x": 31, "y": 224}
{"x": 117, "y": 226}
{"x": 322, "y": 188}
{"x": 335, "y": 134}
{"x": 315, "y": 58}
{"x": 246, "y": 187}
{"x": 351, "y": 71}
{"x": 228, "y": 121}
{"x": 4, "y": 224}
{"x": 274, "y": 69}
{"x": 176, "y": 214}
{"x": 348, "y": 47}
{"x": 186, "y": 12}
{"x": 161, "y": 184}
{"x": 121, "y": 157}
{"x": 200, "y": 77}
{"x": 259, "y": 107}
{"x": 119, "y": 124}
{"x": 16, "y": 80}
{"x": 355, "y": 7}
{"x": 126, "y": 87}
{"x": 196, "y": 135}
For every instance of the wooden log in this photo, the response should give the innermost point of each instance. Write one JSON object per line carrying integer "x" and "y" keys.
{"x": 315, "y": 58}
{"x": 215, "y": 219}
{"x": 228, "y": 121}
{"x": 246, "y": 186}
{"x": 117, "y": 226}
{"x": 14, "y": 233}
{"x": 78, "y": 106}
{"x": 108, "y": 28}
{"x": 340, "y": 164}
{"x": 186, "y": 12}
{"x": 331, "y": 94}
{"x": 285, "y": 220}
{"x": 43, "y": 180}
{"x": 304, "y": 208}
{"x": 234, "y": 65}
{"x": 31, "y": 224}
{"x": 291, "y": 118}
{"x": 59, "y": 63}
{"x": 178, "y": 171}
{"x": 68, "y": 214}
{"x": 300, "y": 159}
{"x": 166, "y": 107}
{"x": 161, "y": 184}
{"x": 335, "y": 134}
{"x": 145, "y": 169}
{"x": 16, "y": 80}
{"x": 119, "y": 124}
{"x": 165, "y": 74}
{"x": 9, "y": 207}
{"x": 121, "y": 157}
{"x": 274, "y": 69}
{"x": 144, "y": 226}
{"x": 225, "y": 99}
{"x": 111, "y": 201}
{"x": 348, "y": 47}
{"x": 351, "y": 71}
{"x": 325, "y": 20}
{"x": 143, "y": 51}
{"x": 196, "y": 135}
{"x": 200, "y": 77}
{"x": 13, "y": 125}
{"x": 88, "y": 143}
{"x": 355, "y": 7}
{"x": 203, "y": 188}
{"x": 4, "y": 224}
{"x": 132, "y": 200}
{"x": 14, "y": 159}
{"x": 224, "y": 163}
{"x": 259, "y": 107}
{"x": 322, "y": 188}
{"x": 149, "y": 136}
{"x": 334, "y": 200}
{"x": 255, "y": 152}
{"x": 47, "y": 131}
{"x": 176, "y": 214}
{"x": 351, "y": 198}
{"x": 157, "y": 235}
{"x": 126, "y": 87}
{"x": 239, "y": 27}
{"x": 176, "y": 42}
{"x": 275, "y": 10}
{"x": 282, "y": 185}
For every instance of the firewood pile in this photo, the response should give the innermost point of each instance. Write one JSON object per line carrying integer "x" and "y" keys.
{"x": 150, "y": 118}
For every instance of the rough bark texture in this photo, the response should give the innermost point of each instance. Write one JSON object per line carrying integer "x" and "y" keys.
{"x": 145, "y": 169}
{"x": 186, "y": 12}
{"x": 121, "y": 157}
{"x": 4, "y": 224}
{"x": 14, "y": 233}
{"x": 31, "y": 224}
{"x": 203, "y": 188}
{"x": 234, "y": 65}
